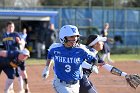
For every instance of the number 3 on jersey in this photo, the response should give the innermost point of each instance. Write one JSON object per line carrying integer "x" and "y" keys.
{"x": 67, "y": 68}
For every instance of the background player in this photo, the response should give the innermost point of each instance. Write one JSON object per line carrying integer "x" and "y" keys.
{"x": 12, "y": 41}
{"x": 10, "y": 60}
{"x": 106, "y": 48}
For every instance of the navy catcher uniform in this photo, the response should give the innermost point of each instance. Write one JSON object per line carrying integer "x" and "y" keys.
{"x": 68, "y": 61}
{"x": 85, "y": 85}
{"x": 11, "y": 60}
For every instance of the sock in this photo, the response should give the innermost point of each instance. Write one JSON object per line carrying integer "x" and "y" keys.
{"x": 9, "y": 85}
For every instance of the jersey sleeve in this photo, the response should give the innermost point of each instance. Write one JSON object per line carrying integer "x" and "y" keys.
{"x": 17, "y": 35}
{"x": 50, "y": 54}
{"x": 54, "y": 45}
{"x": 89, "y": 56}
{"x": 22, "y": 66}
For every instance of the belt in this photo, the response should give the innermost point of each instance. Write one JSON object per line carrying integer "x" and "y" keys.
{"x": 68, "y": 82}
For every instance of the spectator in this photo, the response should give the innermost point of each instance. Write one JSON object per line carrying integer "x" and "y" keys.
{"x": 23, "y": 36}
{"x": 40, "y": 42}
{"x": 30, "y": 39}
{"x": 50, "y": 35}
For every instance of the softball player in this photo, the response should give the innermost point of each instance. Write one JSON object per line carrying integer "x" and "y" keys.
{"x": 95, "y": 44}
{"x": 12, "y": 41}
{"x": 106, "y": 48}
{"x": 68, "y": 60}
{"x": 10, "y": 60}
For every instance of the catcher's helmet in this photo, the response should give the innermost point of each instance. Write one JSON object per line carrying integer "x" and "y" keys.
{"x": 68, "y": 30}
{"x": 25, "y": 52}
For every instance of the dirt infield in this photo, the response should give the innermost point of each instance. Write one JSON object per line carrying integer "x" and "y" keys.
{"x": 104, "y": 81}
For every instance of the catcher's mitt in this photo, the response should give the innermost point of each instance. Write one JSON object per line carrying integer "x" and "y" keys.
{"x": 133, "y": 80}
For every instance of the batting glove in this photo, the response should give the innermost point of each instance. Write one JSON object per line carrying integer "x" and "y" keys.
{"x": 45, "y": 72}
{"x": 94, "y": 69}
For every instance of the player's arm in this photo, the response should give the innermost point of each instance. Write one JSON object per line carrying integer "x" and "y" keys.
{"x": 24, "y": 75}
{"x": 114, "y": 70}
{"x": 91, "y": 61}
{"x": 25, "y": 80}
{"x": 18, "y": 40}
{"x": 93, "y": 68}
{"x": 45, "y": 72}
{"x": 21, "y": 42}
{"x": 132, "y": 79}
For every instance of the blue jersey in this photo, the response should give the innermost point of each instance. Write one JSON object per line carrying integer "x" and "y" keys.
{"x": 11, "y": 60}
{"x": 9, "y": 41}
{"x": 67, "y": 62}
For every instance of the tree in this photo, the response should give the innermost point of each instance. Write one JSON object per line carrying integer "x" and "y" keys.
{"x": 60, "y": 2}
{"x": 19, "y": 3}
{"x": 76, "y": 2}
{"x": 133, "y": 3}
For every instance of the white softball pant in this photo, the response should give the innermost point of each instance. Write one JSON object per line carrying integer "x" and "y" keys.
{"x": 61, "y": 87}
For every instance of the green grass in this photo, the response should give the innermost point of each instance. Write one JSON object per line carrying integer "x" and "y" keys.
{"x": 125, "y": 57}
{"x": 36, "y": 61}
{"x": 115, "y": 57}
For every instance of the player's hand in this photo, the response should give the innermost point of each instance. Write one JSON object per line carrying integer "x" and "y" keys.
{"x": 45, "y": 72}
{"x": 94, "y": 69}
{"x": 18, "y": 40}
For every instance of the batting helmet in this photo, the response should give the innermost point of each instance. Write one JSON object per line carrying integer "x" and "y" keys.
{"x": 68, "y": 30}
